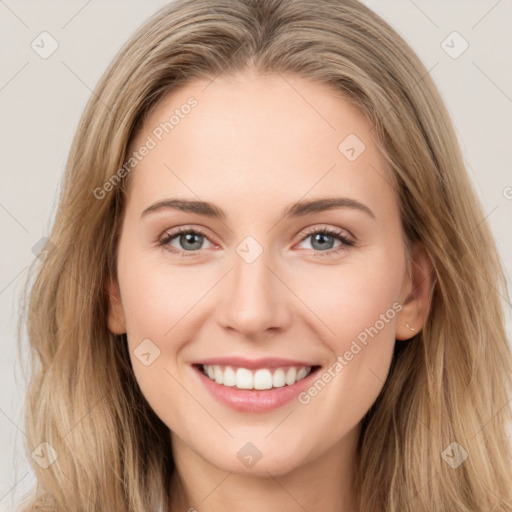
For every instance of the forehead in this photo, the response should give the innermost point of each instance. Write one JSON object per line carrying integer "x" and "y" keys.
{"x": 251, "y": 138}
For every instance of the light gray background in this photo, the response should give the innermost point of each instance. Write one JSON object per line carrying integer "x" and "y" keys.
{"x": 41, "y": 101}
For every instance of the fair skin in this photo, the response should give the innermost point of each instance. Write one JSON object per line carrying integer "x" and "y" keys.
{"x": 253, "y": 146}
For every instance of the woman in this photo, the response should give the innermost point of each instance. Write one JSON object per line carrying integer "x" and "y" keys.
{"x": 248, "y": 370}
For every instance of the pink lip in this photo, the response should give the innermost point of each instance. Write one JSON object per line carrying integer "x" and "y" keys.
{"x": 247, "y": 400}
{"x": 253, "y": 364}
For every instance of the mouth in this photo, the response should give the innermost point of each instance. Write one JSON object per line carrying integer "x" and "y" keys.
{"x": 257, "y": 380}
{"x": 255, "y": 386}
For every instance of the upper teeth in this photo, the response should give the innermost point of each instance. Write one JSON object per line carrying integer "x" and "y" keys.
{"x": 262, "y": 378}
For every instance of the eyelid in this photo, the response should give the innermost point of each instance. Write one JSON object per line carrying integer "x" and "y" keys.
{"x": 315, "y": 228}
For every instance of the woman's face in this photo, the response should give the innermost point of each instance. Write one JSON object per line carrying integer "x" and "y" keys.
{"x": 251, "y": 287}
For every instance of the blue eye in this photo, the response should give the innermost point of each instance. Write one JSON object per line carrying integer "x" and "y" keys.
{"x": 323, "y": 238}
{"x": 190, "y": 240}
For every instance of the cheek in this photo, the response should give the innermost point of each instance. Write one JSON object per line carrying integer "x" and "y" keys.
{"x": 161, "y": 303}
{"x": 358, "y": 306}
{"x": 157, "y": 295}
{"x": 355, "y": 296}
{"x": 158, "y": 303}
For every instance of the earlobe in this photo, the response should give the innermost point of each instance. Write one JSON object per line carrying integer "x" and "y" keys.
{"x": 416, "y": 303}
{"x": 116, "y": 321}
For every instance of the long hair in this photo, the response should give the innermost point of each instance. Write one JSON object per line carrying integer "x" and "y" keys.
{"x": 450, "y": 384}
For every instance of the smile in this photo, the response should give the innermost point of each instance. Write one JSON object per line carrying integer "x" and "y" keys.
{"x": 254, "y": 385}
{"x": 262, "y": 378}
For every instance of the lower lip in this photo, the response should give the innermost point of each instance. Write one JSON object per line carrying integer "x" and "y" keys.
{"x": 247, "y": 400}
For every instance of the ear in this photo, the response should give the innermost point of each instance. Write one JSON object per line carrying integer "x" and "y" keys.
{"x": 116, "y": 321}
{"x": 416, "y": 294}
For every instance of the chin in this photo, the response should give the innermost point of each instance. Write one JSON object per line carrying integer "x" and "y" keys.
{"x": 258, "y": 459}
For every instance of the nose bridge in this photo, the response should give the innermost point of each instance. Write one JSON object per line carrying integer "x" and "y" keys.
{"x": 254, "y": 300}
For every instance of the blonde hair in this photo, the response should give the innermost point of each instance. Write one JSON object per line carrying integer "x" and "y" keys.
{"x": 451, "y": 383}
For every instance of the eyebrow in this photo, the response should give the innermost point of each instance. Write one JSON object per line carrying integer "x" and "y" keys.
{"x": 298, "y": 209}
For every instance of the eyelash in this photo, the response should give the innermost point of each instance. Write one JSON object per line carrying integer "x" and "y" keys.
{"x": 345, "y": 241}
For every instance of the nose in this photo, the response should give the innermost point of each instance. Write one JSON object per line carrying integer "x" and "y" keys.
{"x": 254, "y": 299}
